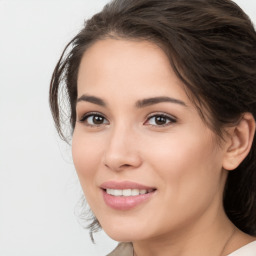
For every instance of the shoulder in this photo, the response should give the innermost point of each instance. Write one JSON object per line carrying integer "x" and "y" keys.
{"x": 247, "y": 250}
{"x": 123, "y": 249}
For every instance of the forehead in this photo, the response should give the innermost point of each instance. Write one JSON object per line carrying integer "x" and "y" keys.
{"x": 128, "y": 67}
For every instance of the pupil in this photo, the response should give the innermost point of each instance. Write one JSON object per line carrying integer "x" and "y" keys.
{"x": 160, "y": 120}
{"x": 97, "y": 119}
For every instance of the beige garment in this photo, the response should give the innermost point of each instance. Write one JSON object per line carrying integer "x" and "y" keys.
{"x": 123, "y": 249}
{"x": 126, "y": 249}
{"x": 247, "y": 250}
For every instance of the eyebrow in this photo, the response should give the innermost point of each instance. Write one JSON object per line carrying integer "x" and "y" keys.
{"x": 139, "y": 103}
{"x": 156, "y": 100}
{"x": 92, "y": 99}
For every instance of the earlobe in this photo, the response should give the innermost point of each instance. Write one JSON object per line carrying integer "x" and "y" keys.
{"x": 240, "y": 142}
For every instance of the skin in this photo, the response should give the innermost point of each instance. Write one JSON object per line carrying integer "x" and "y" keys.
{"x": 180, "y": 157}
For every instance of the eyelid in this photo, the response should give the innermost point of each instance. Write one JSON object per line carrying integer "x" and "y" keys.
{"x": 172, "y": 117}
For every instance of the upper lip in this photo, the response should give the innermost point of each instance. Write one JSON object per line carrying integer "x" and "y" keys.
{"x": 124, "y": 185}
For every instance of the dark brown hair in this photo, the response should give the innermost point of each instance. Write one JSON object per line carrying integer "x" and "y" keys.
{"x": 211, "y": 45}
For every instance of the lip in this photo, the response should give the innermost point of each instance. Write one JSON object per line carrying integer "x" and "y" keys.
{"x": 125, "y": 202}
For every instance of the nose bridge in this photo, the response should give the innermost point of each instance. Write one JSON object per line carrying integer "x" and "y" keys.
{"x": 121, "y": 151}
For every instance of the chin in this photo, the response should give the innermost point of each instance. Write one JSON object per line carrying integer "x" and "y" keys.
{"x": 125, "y": 232}
{"x": 124, "y": 236}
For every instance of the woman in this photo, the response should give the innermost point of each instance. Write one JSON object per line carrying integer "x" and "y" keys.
{"x": 162, "y": 98}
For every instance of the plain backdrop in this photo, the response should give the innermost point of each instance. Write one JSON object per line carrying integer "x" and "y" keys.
{"x": 39, "y": 189}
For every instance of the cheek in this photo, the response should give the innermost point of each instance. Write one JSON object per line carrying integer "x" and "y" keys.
{"x": 188, "y": 165}
{"x": 86, "y": 154}
{"x": 188, "y": 171}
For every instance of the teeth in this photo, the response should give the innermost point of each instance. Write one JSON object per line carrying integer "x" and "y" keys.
{"x": 116, "y": 192}
{"x": 127, "y": 192}
{"x": 135, "y": 192}
{"x": 143, "y": 191}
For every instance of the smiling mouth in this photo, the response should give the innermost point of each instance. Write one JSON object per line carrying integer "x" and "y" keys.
{"x": 126, "y": 199}
{"x": 126, "y": 195}
{"x": 128, "y": 192}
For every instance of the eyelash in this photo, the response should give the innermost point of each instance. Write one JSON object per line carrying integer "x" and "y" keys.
{"x": 166, "y": 117}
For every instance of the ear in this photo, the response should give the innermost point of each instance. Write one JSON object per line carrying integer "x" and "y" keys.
{"x": 239, "y": 142}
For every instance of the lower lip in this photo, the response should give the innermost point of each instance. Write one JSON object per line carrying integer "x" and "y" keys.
{"x": 125, "y": 202}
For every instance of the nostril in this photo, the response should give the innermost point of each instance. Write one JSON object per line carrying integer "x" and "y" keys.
{"x": 125, "y": 165}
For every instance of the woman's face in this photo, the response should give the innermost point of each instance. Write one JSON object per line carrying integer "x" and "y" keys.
{"x": 147, "y": 163}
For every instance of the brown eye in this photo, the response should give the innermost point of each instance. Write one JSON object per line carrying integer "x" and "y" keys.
{"x": 94, "y": 120}
{"x": 160, "y": 120}
{"x": 98, "y": 119}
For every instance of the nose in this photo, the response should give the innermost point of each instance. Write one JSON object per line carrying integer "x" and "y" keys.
{"x": 121, "y": 151}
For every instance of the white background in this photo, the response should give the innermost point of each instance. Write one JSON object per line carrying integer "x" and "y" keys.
{"x": 39, "y": 189}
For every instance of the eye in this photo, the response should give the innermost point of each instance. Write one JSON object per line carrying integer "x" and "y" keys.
{"x": 160, "y": 120}
{"x": 94, "y": 119}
